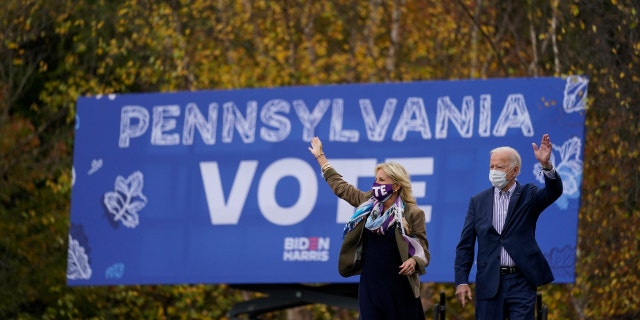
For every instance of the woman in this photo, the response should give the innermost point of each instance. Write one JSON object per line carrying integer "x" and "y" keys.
{"x": 385, "y": 241}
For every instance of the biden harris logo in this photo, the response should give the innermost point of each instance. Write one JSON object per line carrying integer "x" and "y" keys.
{"x": 306, "y": 249}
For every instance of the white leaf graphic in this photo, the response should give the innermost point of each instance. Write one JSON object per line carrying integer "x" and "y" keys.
{"x": 127, "y": 199}
{"x": 569, "y": 166}
{"x": 77, "y": 261}
{"x": 575, "y": 94}
{"x": 96, "y": 164}
{"x": 115, "y": 271}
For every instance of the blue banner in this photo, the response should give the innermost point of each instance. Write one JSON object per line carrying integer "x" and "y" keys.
{"x": 219, "y": 186}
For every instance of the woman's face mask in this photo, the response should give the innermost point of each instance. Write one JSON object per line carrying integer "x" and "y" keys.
{"x": 382, "y": 192}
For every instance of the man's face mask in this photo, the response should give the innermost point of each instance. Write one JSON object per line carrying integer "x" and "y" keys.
{"x": 498, "y": 178}
{"x": 382, "y": 192}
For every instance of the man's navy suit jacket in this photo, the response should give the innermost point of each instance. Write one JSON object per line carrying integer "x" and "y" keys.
{"x": 518, "y": 237}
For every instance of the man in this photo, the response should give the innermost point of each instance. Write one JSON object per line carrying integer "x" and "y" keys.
{"x": 510, "y": 264}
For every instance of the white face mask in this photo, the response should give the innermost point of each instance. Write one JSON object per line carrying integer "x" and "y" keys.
{"x": 498, "y": 178}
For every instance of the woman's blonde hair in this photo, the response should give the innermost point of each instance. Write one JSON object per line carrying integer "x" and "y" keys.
{"x": 399, "y": 175}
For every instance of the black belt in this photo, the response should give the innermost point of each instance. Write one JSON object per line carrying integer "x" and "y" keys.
{"x": 509, "y": 270}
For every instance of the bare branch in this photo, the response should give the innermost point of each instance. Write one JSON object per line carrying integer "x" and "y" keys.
{"x": 473, "y": 68}
{"x": 394, "y": 38}
{"x": 554, "y": 18}
{"x": 533, "y": 69}
{"x": 485, "y": 35}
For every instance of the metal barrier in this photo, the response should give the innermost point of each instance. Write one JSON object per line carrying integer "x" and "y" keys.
{"x": 542, "y": 311}
{"x": 283, "y": 296}
{"x": 439, "y": 309}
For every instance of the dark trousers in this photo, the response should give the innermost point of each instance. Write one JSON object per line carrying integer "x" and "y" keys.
{"x": 515, "y": 300}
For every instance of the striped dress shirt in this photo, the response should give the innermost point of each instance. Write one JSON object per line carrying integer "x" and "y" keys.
{"x": 500, "y": 208}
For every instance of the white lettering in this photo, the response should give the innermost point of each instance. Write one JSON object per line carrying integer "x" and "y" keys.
{"x": 246, "y": 126}
{"x": 376, "y": 129}
{"x": 297, "y": 255}
{"x": 379, "y": 191}
{"x": 269, "y": 116}
{"x": 306, "y": 249}
{"x": 277, "y": 125}
{"x": 289, "y": 243}
{"x": 193, "y": 118}
{"x": 163, "y": 123}
{"x": 302, "y": 172}
{"x": 484, "y": 128}
{"x": 337, "y": 116}
{"x": 323, "y": 243}
{"x": 304, "y": 243}
{"x": 310, "y": 120}
{"x": 462, "y": 120}
{"x": 221, "y": 211}
{"x": 132, "y": 130}
{"x": 514, "y": 115}
{"x": 413, "y": 118}
{"x": 228, "y": 211}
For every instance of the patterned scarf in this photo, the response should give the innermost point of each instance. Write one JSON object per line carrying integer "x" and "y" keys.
{"x": 379, "y": 223}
